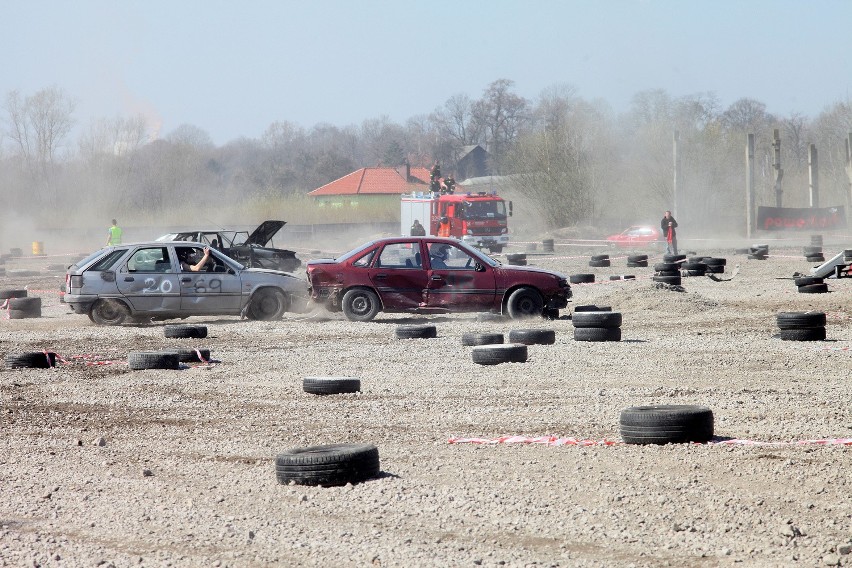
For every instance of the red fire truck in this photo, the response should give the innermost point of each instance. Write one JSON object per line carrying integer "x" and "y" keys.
{"x": 479, "y": 219}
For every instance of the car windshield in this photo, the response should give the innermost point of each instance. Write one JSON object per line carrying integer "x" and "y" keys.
{"x": 484, "y": 210}
{"x": 478, "y": 254}
{"x": 354, "y": 252}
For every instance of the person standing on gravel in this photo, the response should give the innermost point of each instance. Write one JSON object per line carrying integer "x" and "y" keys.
{"x": 114, "y": 234}
{"x": 668, "y": 226}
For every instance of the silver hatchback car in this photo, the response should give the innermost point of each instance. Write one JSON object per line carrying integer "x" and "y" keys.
{"x": 144, "y": 281}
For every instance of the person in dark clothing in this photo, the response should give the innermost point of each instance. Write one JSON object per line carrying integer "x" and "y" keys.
{"x": 418, "y": 230}
{"x": 668, "y": 226}
{"x": 450, "y": 182}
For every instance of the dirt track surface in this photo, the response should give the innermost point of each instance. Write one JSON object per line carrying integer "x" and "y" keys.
{"x": 208, "y": 436}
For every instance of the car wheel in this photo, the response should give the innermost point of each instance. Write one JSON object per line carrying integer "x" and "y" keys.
{"x": 109, "y": 312}
{"x": 268, "y": 304}
{"x": 361, "y": 304}
{"x": 525, "y": 302}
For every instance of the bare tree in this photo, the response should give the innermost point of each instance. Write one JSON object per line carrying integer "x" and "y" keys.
{"x": 501, "y": 114}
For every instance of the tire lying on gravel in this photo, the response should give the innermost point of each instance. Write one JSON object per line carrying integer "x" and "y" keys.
{"x": 470, "y": 339}
{"x": 331, "y": 385}
{"x": 424, "y": 331}
{"x": 819, "y": 258}
{"x": 596, "y": 319}
{"x": 532, "y": 336}
{"x": 600, "y": 263}
{"x": 581, "y": 278}
{"x": 814, "y": 289}
{"x": 495, "y": 354}
{"x": 328, "y": 465}
{"x": 4, "y": 294}
{"x": 592, "y": 308}
{"x": 637, "y": 258}
{"x": 23, "y": 308}
{"x": 803, "y": 334}
{"x": 153, "y": 360}
{"x": 597, "y": 334}
{"x": 31, "y": 360}
{"x": 638, "y": 264}
{"x": 673, "y": 280}
{"x": 798, "y": 320}
{"x": 666, "y": 424}
{"x": 807, "y": 281}
{"x": 185, "y": 331}
{"x": 192, "y": 355}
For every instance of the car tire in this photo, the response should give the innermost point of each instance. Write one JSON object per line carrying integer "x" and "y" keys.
{"x": 425, "y": 331}
{"x": 525, "y": 302}
{"x": 715, "y": 261}
{"x": 470, "y": 339}
{"x": 496, "y": 354}
{"x": 20, "y": 308}
{"x": 31, "y": 360}
{"x": 581, "y": 278}
{"x": 109, "y": 311}
{"x": 600, "y": 263}
{"x": 138, "y": 360}
{"x": 666, "y": 424}
{"x": 191, "y": 355}
{"x": 599, "y": 257}
{"x": 803, "y": 334}
{"x": 597, "y": 334}
{"x": 592, "y": 308}
{"x": 5, "y": 294}
{"x": 797, "y": 320}
{"x": 331, "y": 385}
{"x": 361, "y": 304}
{"x": 268, "y": 304}
{"x": 597, "y": 319}
{"x": 807, "y": 281}
{"x": 328, "y": 465}
{"x": 532, "y": 336}
{"x": 673, "y": 280}
{"x": 185, "y": 331}
{"x": 637, "y": 258}
{"x": 814, "y": 289}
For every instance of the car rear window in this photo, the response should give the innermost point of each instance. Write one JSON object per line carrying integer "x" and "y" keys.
{"x": 106, "y": 262}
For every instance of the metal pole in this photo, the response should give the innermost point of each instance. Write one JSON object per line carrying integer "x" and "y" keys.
{"x": 813, "y": 175}
{"x": 749, "y": 185}
{"x": 779, "y": 172}
{"x": 676, "y": 158}
{"x": 849, "y": 172}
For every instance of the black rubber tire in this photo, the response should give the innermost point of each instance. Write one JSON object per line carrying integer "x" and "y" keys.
{"x": 109, "y": 312}
{"x": 640, "y": 264}
{"x": 715, "y": 269}
{"x": 361, "y": 304}
{"x": 268, "y": 304}
{"x": 592, "y": 308}
{"x": 516, "y": 256}
{"x": 470, "y": 339}
{"x": 30, "y": 304}
{"x": 547, "y": 245}
{"x": 328, "y": 465}
{"x": 666, "y": 266}
{"x": 667, "y": 273}
{"x": 814, "y": 289}
{"x": 525, "y": 302}
{"x": 185, "y": 331}
{"x": 814, "y": 259}
{"x": 599, "y": 263}
{"x": 331, "y": 385}
{"x": 21, "y": 314}
{"x": 581, "y": 278}
{"x": 756, "y": 257}
{"x": 495, "y": 354}
{"x": 532, "y": 336}
{"x": 808, "y": 280}
{"x": 423, "y": 331}
{"x": 597, "y": 334}
{"x": 715, "y": 261}
{"x": 191, "y": 355}
{"x": 522, "y": 262}
{"x": 597, "y": 319}
{"x": 673, "y": 280}
{"x": 673, "y": 257}
{"x": 798, "y": 320}
{"x": 31, "y": 360}
{"x": 803, "y": 334}
{"x": 600, "y": 257}
{"x": 696, "y": 266}
{"x": 666, "y": 424}
{"x": 637, "y": 258}
{"x": 695, "y": 272}
{"x": 12, "y": 293}
{"x": 153, "y": 360}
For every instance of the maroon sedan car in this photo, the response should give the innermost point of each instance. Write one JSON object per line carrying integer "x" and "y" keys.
{"x": 432, "y": 275}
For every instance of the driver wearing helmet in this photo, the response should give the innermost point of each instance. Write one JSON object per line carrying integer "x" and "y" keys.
{"x": 438, "y": 255}
{"x": 185, "y": 262}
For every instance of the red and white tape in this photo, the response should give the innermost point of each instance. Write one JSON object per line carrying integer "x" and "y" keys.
{"x": 559, "y": 441}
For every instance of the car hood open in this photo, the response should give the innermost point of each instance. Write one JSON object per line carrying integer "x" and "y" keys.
{"x": 264, "y": 233}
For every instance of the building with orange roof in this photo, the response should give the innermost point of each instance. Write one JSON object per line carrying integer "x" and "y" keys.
{"x": 380, "y": 184}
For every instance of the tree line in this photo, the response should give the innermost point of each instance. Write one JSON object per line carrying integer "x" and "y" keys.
{"x": 574, "y": 161}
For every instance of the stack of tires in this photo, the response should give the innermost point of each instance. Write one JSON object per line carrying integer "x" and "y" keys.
{"x": 582, "y": 278}
{"x": 517, "y": 258}
{"x": 667, "y": 273}
{"x": 547, "y": 245}
{"x": 813, "y": 253}
{"x": 19, "y": 305}
{"x": 758, "y": 252}
{"x": 811, "y": 285}
{"x": 637, "y": 261}
{"x": 715, "y": 265}
{"x": 597, "y": 326}
{"x": 801, "y": 326}
{"x": 694, "y": 267}
{"x": 599, "y": 261}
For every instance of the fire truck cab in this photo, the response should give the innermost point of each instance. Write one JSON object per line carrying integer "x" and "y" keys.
{"x": 478, "y": 219}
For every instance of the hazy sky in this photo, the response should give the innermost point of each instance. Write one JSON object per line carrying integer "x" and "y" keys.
{"x": 232, "y": 68}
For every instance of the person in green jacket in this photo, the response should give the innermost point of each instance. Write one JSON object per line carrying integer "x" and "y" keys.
{"x": 114, "y": 234}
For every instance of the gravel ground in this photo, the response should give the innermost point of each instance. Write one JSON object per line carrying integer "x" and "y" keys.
{"x": 104, "y": 466}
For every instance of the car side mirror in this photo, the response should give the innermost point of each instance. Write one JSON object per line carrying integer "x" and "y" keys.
{"x": 108, "y": 276}
{"x": 478, "y": 267}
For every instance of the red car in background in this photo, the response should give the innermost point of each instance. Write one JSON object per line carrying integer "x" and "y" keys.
{"x": 432, "y": 275}
{"x": 636, "y": 236}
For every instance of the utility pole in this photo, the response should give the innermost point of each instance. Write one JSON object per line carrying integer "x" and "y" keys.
{"x": 676, "y": 158}
{"x": 849, "y": 172}
{"x": 813, "y": 175}
{"x": 779, "y": 172}
{"x": 749, "y": 185}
